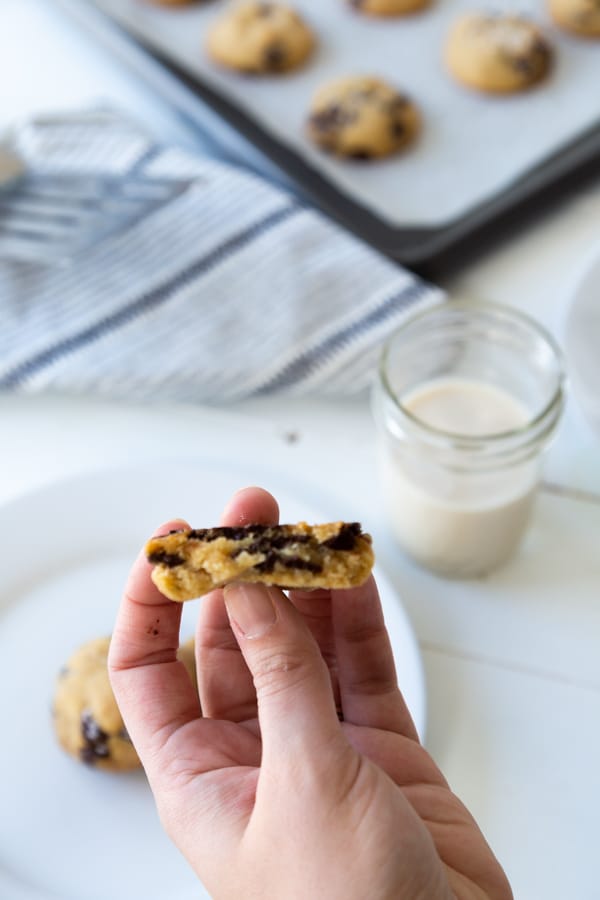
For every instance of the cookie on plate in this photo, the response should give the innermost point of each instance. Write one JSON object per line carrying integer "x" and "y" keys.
{"x": 582, "y": 17}
{"x": 362, "y": 118}
{"x": 497, "y": 53}
{"x": 87, "y": 720}
{"x": 260, "y": 39}
{"x": 191, "y": 562}
{"x": 388, "y": 7}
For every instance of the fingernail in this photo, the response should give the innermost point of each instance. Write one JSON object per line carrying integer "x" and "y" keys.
{"x": 251, "y": 608}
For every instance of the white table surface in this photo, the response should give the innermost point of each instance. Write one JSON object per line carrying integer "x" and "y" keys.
{"x": 512, "y": 662}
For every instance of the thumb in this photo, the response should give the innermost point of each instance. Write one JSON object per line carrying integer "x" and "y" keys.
{"x": 296, "y": 708}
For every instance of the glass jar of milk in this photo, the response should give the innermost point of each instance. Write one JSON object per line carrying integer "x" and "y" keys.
{"x": 467, "y": 397}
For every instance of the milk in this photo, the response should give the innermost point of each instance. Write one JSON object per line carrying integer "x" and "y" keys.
{"x": 458, "y": 520}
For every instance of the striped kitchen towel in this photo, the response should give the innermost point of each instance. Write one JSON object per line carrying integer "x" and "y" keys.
{"x": 234, "y": 289}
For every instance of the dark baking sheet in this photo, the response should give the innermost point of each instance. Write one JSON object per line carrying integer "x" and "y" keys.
{"x": 414, "y": 246}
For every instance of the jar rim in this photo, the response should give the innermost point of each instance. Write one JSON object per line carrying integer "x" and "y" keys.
{"x": 508, "y": 313}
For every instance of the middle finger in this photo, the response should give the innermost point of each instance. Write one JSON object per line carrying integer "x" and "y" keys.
{"x": 315, "y": 607}
{"x": 224, "y": 681}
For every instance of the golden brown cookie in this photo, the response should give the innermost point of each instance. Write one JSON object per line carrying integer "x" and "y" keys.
{"x": 260, "y": 39}
{"x": 388, "y": 7}
{"x": 581, "y": 17}
{"x": 362, "y": 118}
{"x": 189, "y": 563}
{"x": 87, "y": 720}
{"x": 496, "y": 53}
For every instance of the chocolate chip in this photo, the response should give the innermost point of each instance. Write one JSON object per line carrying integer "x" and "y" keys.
{"x": 275, "y": 57}
{"x": 271, "y": 540}
{"x": 397, "y": 129}
{"x": 345, "y": 539}
{"x": 161, "y": 557}
{"x": 96, "y": 746}
{"x": 64, "y": 671}
{"x": 268, "y": 564}
{"x": 522, "y": 64}
{"x": 87, "y": 755}
{"x": 288, "y": 562}
{"x": 360, "y": 153}
{"x": 542, "y": 50}
{"x": 90, "y": 728}
{"x": 265, "y": 9}
{"x": 227, "y": 531}
{"x": 397, "y": 104}
{"x": 124, "y": 735}
{"x": 294, "y": 562}
{"x": 331, "y": 118}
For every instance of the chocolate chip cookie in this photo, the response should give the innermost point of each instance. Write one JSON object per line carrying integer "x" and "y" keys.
{"x": 260, "y": 39}
{"x": 87, "y": 720}
{"x": 581, "y": 17}
{"x": 189, "y": 563}
{"x": 496, "y": 53}
{"x": 362, "y": 118}
{"x": 388, "y": 7}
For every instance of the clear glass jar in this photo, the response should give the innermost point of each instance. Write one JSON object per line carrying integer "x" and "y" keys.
{"x": 467, "y": 398}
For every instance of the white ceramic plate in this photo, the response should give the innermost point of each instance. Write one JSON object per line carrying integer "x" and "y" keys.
{"x": 68, "y": 832}
{"x": 582, "y": 339}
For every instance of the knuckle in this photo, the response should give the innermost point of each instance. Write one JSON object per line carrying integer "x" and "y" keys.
{"x": 279, "y": 671}
{"x": 361, "y": 633}
{"x": 373, "y": 687}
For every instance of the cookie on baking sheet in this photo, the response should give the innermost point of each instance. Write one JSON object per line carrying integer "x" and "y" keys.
{"x": 581, "y": 17}
{"x": 260, "y": 38}
{"x": 388, "y": 7}
{"x": 362, "y": 117}
{"x": 497, "y": 53}
{"x": 87, "y": 720}
{"x": 191, "y": 562}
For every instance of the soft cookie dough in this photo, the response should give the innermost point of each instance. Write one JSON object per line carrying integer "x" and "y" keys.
{"x": 189, "y": 563}
{"x": 87, "y": 720}
{"x": 497, "y": 53}
{"x": 260, "y": 39}
{"x": 362, "y": 118}
{"x": 582, "y": 17}
{"x": 388, "y": 7}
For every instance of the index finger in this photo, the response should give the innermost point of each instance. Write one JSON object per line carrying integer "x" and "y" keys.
{"x": 152, "y": 688}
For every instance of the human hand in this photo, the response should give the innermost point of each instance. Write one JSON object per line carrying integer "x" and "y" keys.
{"x": 269, "y": 794}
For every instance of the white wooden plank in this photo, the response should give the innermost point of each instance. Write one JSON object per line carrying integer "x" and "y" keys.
{"x": 522, "y": 753}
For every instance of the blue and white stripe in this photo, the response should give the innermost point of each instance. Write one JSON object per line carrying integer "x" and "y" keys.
{"x": 232, "y": 290}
